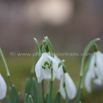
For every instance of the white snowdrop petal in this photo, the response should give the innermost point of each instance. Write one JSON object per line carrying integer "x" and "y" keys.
{"x": 99, "y": 64}
{"x": 101, "y": 55}
{"x": 46, "y": 73}
{"x": 87, "y": 81}
{"x": 98, "y": 73}
{"x": 92, "y": 66}
{"x": 40, "y": 79}
{"x": 97, "y": 81}
{"x": 56, "y": 58}
{"x": 70, "y": 86}
{"x": 55, "y": 64}
{"x": 38, "y": 67}
{"x": 59, "y": 70}
{"x": 59, "y": 73}
{"x": 45, "y": 58}
{"x": 3, "y": 88}
{"x": 62, "y": 91}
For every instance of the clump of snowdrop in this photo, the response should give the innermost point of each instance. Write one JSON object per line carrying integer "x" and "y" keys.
{"x": 48, "y": 62}
{"x": 95, "y": 71}
{"x": 3, "y": 88}
{"x": 48, "y": 66}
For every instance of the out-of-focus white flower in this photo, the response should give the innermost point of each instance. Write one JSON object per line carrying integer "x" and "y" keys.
{"x": 59, "y": 70}
{"x": 67, "y": 86}
{"x": 3, "y": 88}
{"x": 95, "y": 71}
{"x": 44, "y": 66}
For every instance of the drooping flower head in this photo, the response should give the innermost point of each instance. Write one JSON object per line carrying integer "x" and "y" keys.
{"x": 44, "y": 66}
{"x": 95, "y": 71}
{"x": 3, "y": 88}
{"x": 67, "y": 86}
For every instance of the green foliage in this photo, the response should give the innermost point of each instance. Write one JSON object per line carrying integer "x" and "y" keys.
{"x": 30, "y": 100}
{"x": 57, "y": 99}
{"x": 28, "y": 86}
{"x": 36, "y": 91}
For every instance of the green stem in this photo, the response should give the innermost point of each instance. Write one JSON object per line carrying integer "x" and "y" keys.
{"x": 50, "y": 92}
{"x": 47, "y": 92}
{"x": 50, "y": 89}
{"x": 34, "y": 63}
{"x": 8, "y": 73}
{"x": 43, "y": 91}
{"x": 7, "y": 70}
{"x": 10, "y": 81}
{"x": 82, "y": 66}
{"x": 67, "y": 99}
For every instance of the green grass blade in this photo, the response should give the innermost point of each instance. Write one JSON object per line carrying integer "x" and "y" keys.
{"x": 30, "y": 100}
{"x": 26, "y": 98}
{"x": 17, "y": 99}
{"x": 28, "y": 86}
{"x": 57, "y": 98}
{"x": 36, "y": 91}
{"x": 8, "y": 100}
{"x": 11, "y": 96}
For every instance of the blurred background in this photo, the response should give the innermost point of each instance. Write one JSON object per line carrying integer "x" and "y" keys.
{"x": 69, "y": 24}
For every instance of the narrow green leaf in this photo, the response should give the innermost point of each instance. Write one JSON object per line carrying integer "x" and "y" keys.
{"x": 8, "y": 100}
{"x": 57, "y": 99}
{"x": 49, "y": 46}
{"x": 50, "y": 92}
{"x": 46, "y": 97}
{"x": 30, "y": 100}
{"x": 11, "y": 96}
{"x": 67, "y": 99}
{"x": 38, "y": 46}
{"x": 43, "y": 91}
{"x": 14, "y": 91}
{"x": 28, "y": 86}
{"x": 26, "y": 98}
{"x": 36, "y": 91}
{"x": 17, "y": 99}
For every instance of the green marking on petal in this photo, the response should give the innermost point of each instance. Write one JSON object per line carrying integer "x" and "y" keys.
{"x": 64, "y": 85}
{"x": 95, "y": 64}
{"x": 46, "y": 63}
{"x": 43, "y": 67}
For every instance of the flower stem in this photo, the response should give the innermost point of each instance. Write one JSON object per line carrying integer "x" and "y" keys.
{"x": 2, "y": 56}
{"x": 7, "y": 70}
{"x": 50, "y": 89}
{"x": 67, "y": 99}
{"x": 8, "y": 73}
{"x": 50, "y": 92}
{"x": 80, "y": 87}
{"x": 43, "y": 91}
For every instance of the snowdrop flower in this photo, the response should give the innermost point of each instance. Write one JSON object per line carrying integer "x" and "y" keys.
{"x": 3, "y": 88}
{"x": 59, "y": 70}
{"x": 95, "y": 70}
{"x": 44, "y": 66}
{"x": 67, "y": 86}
